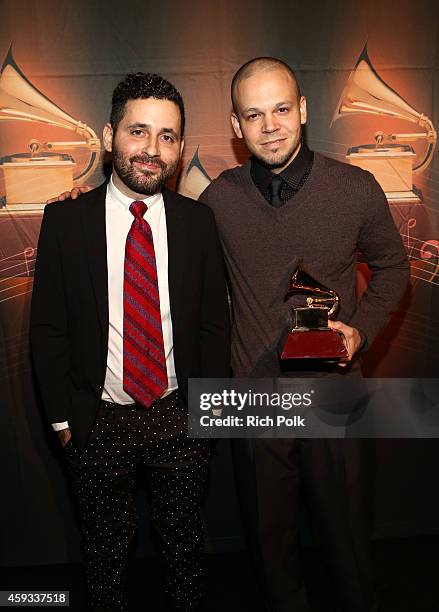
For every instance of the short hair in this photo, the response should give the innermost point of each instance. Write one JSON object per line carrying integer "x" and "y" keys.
{"x": 255, "y": 65}
{"x": 141, "y": 85}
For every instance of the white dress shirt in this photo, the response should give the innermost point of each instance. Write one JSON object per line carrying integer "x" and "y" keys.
{"x": 118, "y": 222}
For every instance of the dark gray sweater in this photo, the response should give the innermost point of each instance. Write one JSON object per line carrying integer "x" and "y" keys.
{"x": 339, "y": 211}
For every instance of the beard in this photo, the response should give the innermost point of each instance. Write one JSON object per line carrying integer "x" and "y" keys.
{"x": 277, "y": 160}
{"x": 142, "y": 181}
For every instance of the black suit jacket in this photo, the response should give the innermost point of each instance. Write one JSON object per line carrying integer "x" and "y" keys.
{"x": 69, "y": 317}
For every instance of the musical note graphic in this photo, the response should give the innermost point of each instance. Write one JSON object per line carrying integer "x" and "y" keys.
{"x": 28, "y": 254}
{"x": 424, "y": 260}
{"x": 23, "y": 267}
{"x": 411, "y": 224}
{"x": 430, "y": 250}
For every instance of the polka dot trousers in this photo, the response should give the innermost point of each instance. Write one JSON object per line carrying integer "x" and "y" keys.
{"x": 123, "y": 439}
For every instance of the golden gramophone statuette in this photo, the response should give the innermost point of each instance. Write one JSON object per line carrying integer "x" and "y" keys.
{"x": 310, "y": 336}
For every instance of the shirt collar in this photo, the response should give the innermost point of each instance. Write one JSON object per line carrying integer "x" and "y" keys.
{"x": 120, "y": 198}
{"x": 292, "y": 174}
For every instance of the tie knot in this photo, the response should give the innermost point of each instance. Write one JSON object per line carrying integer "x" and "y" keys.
{"x": 138, "y": 208}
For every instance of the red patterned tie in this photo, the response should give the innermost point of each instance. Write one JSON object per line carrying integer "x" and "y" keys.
{"x": 144, "y": 363}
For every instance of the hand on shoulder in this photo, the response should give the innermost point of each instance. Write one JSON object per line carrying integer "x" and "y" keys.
{"x": 73, "y": 194}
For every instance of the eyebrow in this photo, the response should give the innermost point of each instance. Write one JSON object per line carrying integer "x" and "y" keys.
{"x": 164, "y": 130}
{"x": 253, "y": 109}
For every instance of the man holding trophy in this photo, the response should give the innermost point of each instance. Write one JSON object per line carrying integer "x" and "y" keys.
{"x": 291, "y": 222}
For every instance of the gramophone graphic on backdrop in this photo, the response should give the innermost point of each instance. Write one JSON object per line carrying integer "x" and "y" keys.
{"x": 195, "y": 178}
{"x": 388, "y": 159}
{"x": 45, "y": 170}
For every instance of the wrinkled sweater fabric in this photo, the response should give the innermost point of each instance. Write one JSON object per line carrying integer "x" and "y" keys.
{"x": 340, "y": 211}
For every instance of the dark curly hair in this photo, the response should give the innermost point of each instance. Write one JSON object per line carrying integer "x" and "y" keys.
{"x": 141, "y": 85}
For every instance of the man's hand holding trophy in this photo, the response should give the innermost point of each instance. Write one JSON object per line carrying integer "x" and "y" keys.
{"x": 313, "y": 333}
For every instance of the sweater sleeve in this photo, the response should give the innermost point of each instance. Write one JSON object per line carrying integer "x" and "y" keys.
{"x": 383, "y": 250}
{"x": 204, "y": 195}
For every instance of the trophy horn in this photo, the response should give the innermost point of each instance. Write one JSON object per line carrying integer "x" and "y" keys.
{"x": 367, "y": 93}
{"x": 20, "y": 100}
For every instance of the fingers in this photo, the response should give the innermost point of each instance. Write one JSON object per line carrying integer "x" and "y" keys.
{"x": 73, "y": 194}
{"x": 339, "y": 326}
{"x": 64, "y": 436}
{"x": 60, "y": 197}
{"x": 351, "y": 339}
{"x": 63, "y": 196}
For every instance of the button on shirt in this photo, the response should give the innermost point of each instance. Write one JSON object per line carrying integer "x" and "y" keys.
{"x": 118, "y": 222}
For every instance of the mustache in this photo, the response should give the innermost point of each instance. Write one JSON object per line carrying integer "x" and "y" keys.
{"x": 147, "y": 159}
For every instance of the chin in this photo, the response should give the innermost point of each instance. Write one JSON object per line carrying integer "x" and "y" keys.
{"x": 274, "y": 162}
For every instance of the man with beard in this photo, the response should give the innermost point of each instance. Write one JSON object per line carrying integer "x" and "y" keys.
{"x": 129, "y": 302}
{"x": 284, "y": 205}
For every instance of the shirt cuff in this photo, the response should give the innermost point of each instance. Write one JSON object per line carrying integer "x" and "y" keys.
{"x": 59, "y": 426}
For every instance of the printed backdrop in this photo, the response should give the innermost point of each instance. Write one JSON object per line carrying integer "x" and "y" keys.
{"x": 61, "y": 63}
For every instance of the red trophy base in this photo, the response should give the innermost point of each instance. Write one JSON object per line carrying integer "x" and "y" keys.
{"x": 314, "y": 344}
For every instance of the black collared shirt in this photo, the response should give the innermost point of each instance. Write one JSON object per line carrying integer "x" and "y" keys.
{"x": 293, "y": 176}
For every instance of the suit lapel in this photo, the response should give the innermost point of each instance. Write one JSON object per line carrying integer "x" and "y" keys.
{"x": 93, "y": 216}
{"x": 177, "y": 243}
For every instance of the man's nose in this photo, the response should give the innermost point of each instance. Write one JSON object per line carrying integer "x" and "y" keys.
{"x": 151, "y": 147}
{"x": 270, "y": 123}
